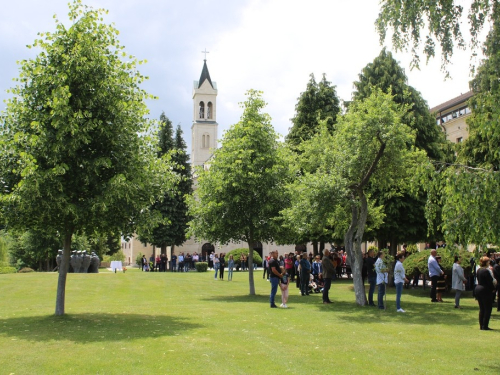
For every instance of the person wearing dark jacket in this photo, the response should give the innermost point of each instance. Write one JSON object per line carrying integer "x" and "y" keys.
{"x": 484, "y": 293}
{"x": 372, "y": 276}
{"x": 496, "y": 274}
{"x": 328, "y": 272}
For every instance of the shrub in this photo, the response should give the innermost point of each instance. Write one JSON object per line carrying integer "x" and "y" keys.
{"x": 201, "y": 266}
{"x": 7, "y": 269}
{"x": 236, "y": 253}
{"x": 138, "y": 259}
{"x": 417, "y": 263}
{"x": 119, "y": 256}
{"x": 26, "y": 270}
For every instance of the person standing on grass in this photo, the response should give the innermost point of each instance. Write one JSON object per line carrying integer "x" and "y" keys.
{"x": 289, "y": 268}
{"x": 434, "y": 273}
{"x": 372, "y": 276}
{"x": 382, "y": 279}
{"x": 305, "y": 271}
{"x": 173, "y": 267}
{"x": 484, "y": 293}
{"x": 441, "y": 283}
{"x": 399, "y": 280}
{"x": 284, "y": 282}
{"x": 496, "y": 275}
{"x": 216, "y": 265}
{"x": 265, "y": 266}
{"x": 328, "y": 272}
{"x": 211, "y": 260}
{"x": 457, "y": 281}
{"x": 230, "y": 266}
{"x": 222, "y": 264}
{"x": 275, "y": 276}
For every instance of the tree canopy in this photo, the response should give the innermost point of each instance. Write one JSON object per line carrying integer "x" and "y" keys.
{"x": 414, "y": 23}
{"x": 318, "y": 102}
{"x": 370, "y": 149}
{"x": 172, "y": 207}
{"x": 240, "y": 193}
{"x": 404, "y": 208}
{"x": 74, "y": 157}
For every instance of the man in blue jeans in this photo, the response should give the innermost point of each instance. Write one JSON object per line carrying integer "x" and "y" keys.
{"x": 275, "y": 276}
{"x": 372, "y": 276}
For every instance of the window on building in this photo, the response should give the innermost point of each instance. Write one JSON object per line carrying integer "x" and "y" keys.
{"x": 202, "y": 110}
{"x": 459, "y": 139}
{"x": 209, "y": 110}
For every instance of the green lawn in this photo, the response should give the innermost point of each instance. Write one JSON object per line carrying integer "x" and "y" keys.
{"x": 164, "y": 323}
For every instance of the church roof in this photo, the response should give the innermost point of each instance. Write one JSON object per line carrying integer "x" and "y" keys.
{"x": 205, "y": 75}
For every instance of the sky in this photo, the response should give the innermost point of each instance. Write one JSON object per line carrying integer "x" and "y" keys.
{"x": 267, "y": 45}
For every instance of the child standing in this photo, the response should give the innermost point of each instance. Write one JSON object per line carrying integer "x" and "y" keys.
{"x": 285, "y": 280}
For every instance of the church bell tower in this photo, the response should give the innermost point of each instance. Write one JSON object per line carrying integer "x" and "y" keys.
{"x": 204, "y": 128}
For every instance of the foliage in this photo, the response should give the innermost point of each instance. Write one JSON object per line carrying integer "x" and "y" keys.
{"x": 404, "y": 208}
{"x": 118, "y": 256}
{"x": 138, "y": 259}
{"x": 201, "y": 266}
{"x": 318, "y": 102}
{"x": 411, "y": 249}
{"x": 236, "y": 253}
{"x": 172, "y": 207}
{"x": 74, "y": 152}
{"x": 470, "y": 195}
{"x": 34, "y": 248}
{"x": 371, "y": 148}
{"x": 240, "y": 195}
{"x": 26, "y": 270}
{"x": 7, "y": 269}
{"x": 408, "y": 21}
{"x": 6, "y": 242}
{"x": 417, "y": 262}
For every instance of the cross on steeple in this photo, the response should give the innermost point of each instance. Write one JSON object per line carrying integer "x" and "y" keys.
{"x": 205, "y": 52}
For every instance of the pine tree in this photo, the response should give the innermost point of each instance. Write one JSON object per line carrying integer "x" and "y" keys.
{"x": 318, "y": 102}
{"x": 173, "y": 207}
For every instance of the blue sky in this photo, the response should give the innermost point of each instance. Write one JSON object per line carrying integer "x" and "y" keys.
{"x": 270, "y": 45}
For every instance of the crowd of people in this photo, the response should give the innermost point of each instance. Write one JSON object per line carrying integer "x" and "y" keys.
{"x": 177, "y": 263}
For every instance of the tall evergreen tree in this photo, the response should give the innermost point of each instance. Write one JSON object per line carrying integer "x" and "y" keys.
{"x": 405, "y": 212}
{"x": 318, "y": 102}
{"x": 173, "y": 207}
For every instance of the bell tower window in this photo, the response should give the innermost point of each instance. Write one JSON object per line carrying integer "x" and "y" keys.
{"x": 209, "y": 110}
{"x": 202, "y": 110}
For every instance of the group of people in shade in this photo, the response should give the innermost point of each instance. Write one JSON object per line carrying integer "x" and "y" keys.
{"x": 181, "y": 263}
{"x": 318, "y": 274}
{"x": 311, "y": 277}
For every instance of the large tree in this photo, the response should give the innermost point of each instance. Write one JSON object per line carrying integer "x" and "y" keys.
{"x": 318, "y": 102}
{"x": 404, "y": 210}
{"x": 412, "y": 22}
{"x": 471, "y": 195}
{"x": 241, "y": 192}
{"x": 172, "y": 207}
{"x": 73, "y": 144}
{"x": 370, "y": 149}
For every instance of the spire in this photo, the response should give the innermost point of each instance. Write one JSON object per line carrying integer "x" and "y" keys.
{"x": 205, "y": 75}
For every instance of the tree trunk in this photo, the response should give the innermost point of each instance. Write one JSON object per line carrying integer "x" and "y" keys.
{"x": 353, "y": 240}
{"x": 163, "y": 249}
{"x": 63, "y": 272}
{"x": 315, "y": 248}
{"x": 357, "y": 260}
{"x": 250, "y": 266}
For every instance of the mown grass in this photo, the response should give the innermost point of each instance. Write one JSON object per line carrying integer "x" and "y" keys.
{"x": 188, "y": 323}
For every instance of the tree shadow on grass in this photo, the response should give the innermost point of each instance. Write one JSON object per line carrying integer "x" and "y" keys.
{"x": 84, "y": 328}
